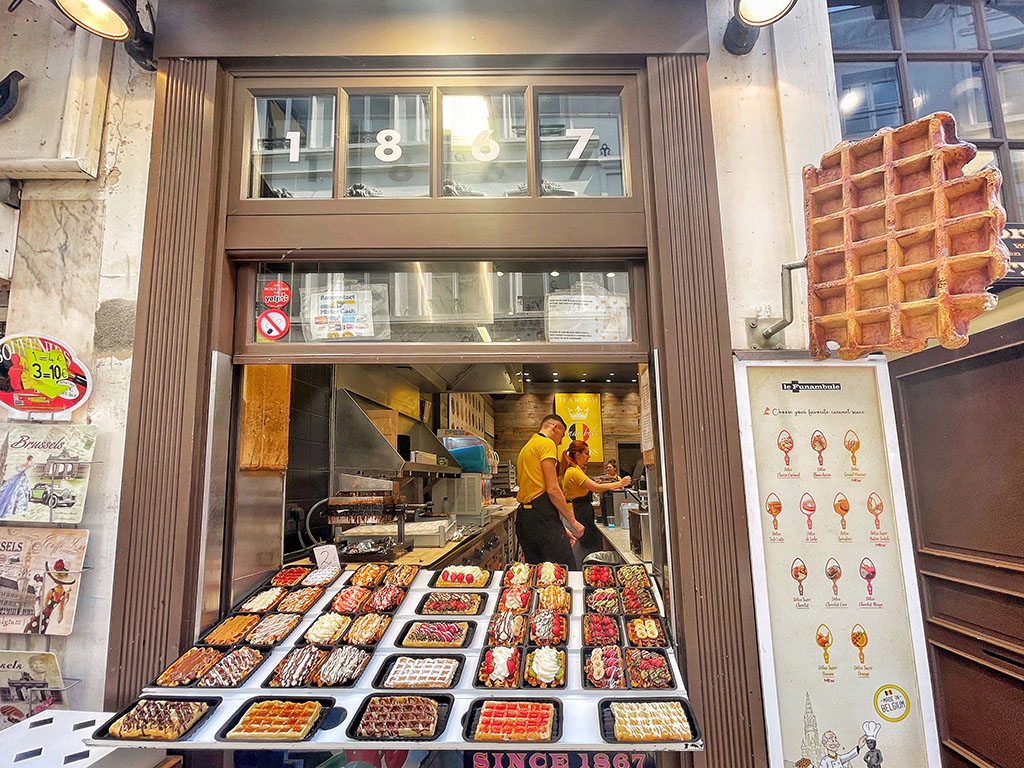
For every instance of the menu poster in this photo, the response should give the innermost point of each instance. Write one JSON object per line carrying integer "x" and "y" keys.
{"x": 44, "y": 472}
{"x": 30, "y": 683}
{"x": 843, "y": 658}
{"x": 40, "y": 570}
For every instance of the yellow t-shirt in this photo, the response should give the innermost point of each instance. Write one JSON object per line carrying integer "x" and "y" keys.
{"x": 528, "y": 467}
{"x": 572, "y": 483}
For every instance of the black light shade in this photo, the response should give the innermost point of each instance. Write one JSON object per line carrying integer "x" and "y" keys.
{"x": 113, "y": 20}
{"x": 750, "y": 15}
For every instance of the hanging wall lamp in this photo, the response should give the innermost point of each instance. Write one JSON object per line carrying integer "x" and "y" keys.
{"x": 114, "y": 20}
{"x": 745, "y": 25}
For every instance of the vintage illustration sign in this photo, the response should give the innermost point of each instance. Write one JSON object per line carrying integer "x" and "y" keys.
{"x": 30, "y": 683}
{"x": 44, "y": 471}
{"x": 39, "y": 374}
{"x": 843, "y": 656}
{"x": 582, "y": 414}
{"x": 40, "y": 572}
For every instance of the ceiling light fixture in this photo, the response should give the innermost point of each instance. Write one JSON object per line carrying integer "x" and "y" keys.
{"x": 114, "y": 20}
{"x": 745, "y": 25}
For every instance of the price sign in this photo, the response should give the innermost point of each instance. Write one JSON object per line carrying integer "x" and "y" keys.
{"x": 42, "y": 375}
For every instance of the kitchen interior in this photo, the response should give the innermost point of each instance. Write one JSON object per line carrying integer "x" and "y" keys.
{"x": 415, "y": 463}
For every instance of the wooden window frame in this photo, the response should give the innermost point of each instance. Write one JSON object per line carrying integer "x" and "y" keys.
{"x": 283, "y": 84}
{"x": 999, "y": 143}
{"x": 250, "y": 352}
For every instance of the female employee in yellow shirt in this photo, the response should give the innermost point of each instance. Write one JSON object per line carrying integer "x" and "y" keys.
{"x": 579, "y": 491}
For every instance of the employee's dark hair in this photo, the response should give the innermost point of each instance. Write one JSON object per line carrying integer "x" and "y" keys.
{"x": 612, "y": 463}
{"x": 551, "y": 417}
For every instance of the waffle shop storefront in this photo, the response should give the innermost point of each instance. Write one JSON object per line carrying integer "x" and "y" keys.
{"x": 504, "y": 140}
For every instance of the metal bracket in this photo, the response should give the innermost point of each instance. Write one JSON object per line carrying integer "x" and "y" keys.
{"x": 755, "y": 327}
{"x": 787, "y": 302}
{"x": 10, "y": 192}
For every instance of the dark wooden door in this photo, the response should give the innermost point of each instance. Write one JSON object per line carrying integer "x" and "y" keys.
{"x": 961, "y": 422}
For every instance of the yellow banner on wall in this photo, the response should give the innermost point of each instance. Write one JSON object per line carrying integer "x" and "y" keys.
{"x": 582, "y": 414}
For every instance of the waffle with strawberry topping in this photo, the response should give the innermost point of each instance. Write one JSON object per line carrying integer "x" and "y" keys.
{"x": 515, "y": 600}
{"x": 599, "y": 629}
{"x": 499, "y": 667}
{"x": 548, "y": 627}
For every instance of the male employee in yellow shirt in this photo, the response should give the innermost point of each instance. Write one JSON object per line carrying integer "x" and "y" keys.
{"x": 542, "y": 505}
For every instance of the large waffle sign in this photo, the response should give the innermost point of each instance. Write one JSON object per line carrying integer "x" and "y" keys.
{"x": 901, "y": 245}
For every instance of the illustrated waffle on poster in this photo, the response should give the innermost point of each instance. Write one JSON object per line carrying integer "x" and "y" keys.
{"x": 29, "y": 683}
{"x": 44, "y": 472}
{"x": 40, "y": 573}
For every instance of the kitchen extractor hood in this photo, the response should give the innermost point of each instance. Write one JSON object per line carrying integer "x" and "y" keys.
{"x": 361, "y": 449}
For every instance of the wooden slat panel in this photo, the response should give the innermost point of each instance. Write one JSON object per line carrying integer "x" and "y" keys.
{"x": 156, "y": 566}
{"x": 701, "y": 432}
{"x": 978, "y": 612}
{"x": 263, "y": 438}
{"x": 982, "y": 709}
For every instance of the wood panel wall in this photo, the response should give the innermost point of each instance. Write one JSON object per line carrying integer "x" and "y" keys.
{"x": 516, "y": 417}
{"x": 962, "y": 443}
{"x": 689, "y": 315}
{"x": 156, "y": 568}
{"x": 266, "y": 396}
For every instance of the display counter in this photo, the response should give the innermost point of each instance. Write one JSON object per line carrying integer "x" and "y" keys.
{"x": 648, "y": 680}
{"x": 455, "y": 552}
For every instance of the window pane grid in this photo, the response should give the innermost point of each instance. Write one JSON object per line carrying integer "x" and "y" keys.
{"x": 971, "y": 53}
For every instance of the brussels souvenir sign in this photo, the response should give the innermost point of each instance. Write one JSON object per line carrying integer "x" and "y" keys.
{"x": 40, "y": 571}
{"x": 39, "y": 374}
{"x": 44, "y": 471}
{"x": 30, "y": 683}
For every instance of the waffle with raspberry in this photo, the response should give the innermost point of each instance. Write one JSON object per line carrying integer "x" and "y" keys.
{"x": 647, "y": 669}
{"x": 548, "y": 627}
{"x": 451, "y": 603}
{"x": 598, "y": 576}
{"x": 599, "y": 629}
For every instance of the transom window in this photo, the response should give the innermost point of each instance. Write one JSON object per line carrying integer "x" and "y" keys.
{"x": 897, "y": 60}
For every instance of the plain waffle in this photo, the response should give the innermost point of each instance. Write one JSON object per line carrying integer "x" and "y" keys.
{"x": 901, "y": 246}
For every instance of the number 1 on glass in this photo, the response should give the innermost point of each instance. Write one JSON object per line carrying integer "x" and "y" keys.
{"x": 582, "y": 136}
{"x": 293, "y": 138}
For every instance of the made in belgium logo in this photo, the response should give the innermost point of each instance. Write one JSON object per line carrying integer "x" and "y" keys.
{"x": 811, "y": 386}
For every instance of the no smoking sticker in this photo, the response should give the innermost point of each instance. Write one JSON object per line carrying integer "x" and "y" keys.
{"x": 273, "y": 324}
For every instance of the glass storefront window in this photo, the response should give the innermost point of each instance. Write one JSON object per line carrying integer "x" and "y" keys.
{"x": 1011, "y": 92}
{"x": 292, "y": 150}
{"x": 868, "y": 97}
{"x": 580, "y": 144}
{"x": 952, "y": 86}
{"x": 1017, "y": 176}
{"x": 484, "y": 144}
{"x": 453, "y": 302}
{"x": 388, "y": 145}
{"x": 942, "y": 26}
{"x": 1005, "y": 22}
{"x": 859, "y": 25}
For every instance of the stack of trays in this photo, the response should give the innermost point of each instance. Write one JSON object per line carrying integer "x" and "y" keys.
{"x": 391, "y": 655}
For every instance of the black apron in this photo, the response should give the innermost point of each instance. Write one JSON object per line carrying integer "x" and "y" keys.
{"x": 541, "y": 534}
{"x": 583, "y": 509}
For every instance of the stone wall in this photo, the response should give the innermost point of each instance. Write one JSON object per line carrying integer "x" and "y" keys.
{"x": 76, "y": 277}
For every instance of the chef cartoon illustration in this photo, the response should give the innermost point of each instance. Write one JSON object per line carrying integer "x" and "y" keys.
{"x": 832, "y": 758}
{"x": 873, "y": 755}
